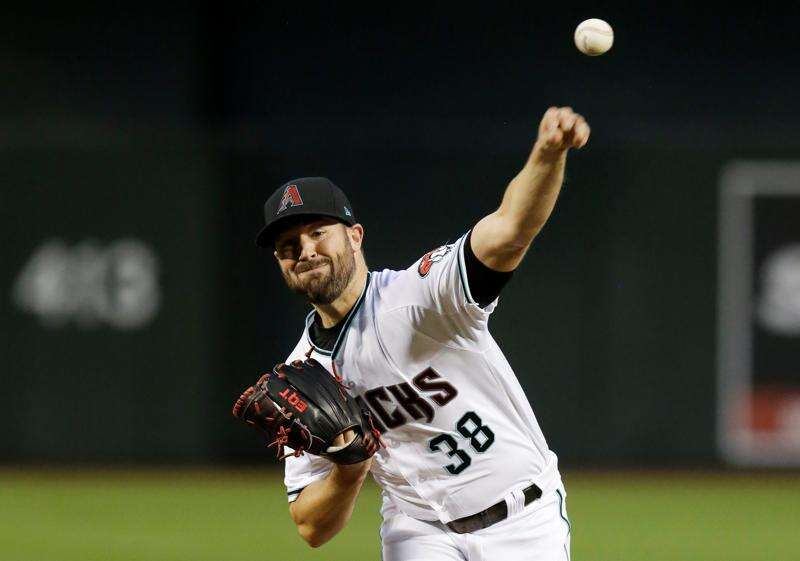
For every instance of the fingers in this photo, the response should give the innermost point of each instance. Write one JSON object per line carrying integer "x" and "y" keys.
{"x": 561, "y": 128}
{"x": 582, "y": 132}
{"x": 345, "y": 438}
{"x": 567, "y": 118}
{"x": 241, "y": 403}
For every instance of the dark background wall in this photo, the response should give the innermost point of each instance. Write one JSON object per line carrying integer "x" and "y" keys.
{"x": 172, "y": 127}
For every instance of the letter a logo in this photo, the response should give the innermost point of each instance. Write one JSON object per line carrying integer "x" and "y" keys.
{"x": 291, "y": 197}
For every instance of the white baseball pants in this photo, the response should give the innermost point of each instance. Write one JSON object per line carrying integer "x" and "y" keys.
{"x": 538, "y": 532}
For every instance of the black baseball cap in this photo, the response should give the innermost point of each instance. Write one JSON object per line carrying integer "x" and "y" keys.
{"x": 307, "y": 196}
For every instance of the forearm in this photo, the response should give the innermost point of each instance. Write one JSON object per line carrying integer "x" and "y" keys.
{"x": 325, "y": 506}
{"x": 501, "y": 239}
{"x": 530, "y": 197}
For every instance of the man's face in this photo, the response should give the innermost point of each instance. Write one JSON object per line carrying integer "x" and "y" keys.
{"x": 317, "y": 259}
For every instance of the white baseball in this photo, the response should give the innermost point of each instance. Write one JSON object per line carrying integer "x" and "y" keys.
{"x": 594, "y": 37}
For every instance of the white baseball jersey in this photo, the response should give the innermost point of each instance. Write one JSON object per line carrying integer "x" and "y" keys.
{"x": 460, "y": 434}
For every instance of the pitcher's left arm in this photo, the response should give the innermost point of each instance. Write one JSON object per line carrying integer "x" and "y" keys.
{"x": 501, "y": 239}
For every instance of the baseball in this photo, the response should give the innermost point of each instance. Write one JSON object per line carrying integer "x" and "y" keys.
{"x": 594, "y": 37}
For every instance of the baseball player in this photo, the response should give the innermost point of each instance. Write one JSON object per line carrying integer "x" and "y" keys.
{"x": 465, "y": 471}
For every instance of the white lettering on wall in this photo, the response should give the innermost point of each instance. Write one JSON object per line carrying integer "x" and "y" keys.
{"x": 779, "y": 302}
{"x": 90, "y": 284}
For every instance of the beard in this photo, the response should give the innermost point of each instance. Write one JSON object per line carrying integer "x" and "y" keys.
{"x": 324, "y": 285}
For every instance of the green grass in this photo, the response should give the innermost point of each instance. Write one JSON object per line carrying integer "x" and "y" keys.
{"x": 228, "y": 516}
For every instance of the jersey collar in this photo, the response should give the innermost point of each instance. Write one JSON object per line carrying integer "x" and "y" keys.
{"x": 345, "y": 325}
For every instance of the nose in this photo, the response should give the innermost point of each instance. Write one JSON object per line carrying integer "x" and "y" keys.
{"x": 308, "y": 249}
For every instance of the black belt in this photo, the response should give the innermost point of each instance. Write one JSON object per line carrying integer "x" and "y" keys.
{"x": 491, "y": 515}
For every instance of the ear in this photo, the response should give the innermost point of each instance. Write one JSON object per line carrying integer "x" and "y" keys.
{"x": 355, "y": 234}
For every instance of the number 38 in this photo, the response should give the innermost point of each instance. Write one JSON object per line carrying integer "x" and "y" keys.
{"x": 470, "y": 427}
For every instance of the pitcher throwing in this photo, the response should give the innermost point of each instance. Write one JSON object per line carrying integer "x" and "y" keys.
{"x": 465, "y": 471}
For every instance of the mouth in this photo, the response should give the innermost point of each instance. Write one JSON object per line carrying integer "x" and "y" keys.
{"x": 313, "y": 269}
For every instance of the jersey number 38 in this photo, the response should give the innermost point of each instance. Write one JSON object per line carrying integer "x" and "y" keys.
{"x": 470, "y": 427}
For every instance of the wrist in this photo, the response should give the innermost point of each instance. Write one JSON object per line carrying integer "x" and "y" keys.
{"x": 542, "y": 155}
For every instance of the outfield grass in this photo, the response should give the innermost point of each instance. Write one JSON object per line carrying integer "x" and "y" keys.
{"x": 229, "y": 516}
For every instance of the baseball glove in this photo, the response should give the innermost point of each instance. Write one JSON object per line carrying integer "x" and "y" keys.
{"x": 303, "y": 407}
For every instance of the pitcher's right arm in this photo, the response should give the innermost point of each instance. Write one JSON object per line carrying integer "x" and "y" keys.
{"x": 323, "y": 508}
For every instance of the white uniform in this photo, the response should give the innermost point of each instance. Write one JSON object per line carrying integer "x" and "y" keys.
{"x": 460, "y": 434}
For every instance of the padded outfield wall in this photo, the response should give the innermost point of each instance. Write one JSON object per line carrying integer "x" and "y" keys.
{"x": 136, "y": 150}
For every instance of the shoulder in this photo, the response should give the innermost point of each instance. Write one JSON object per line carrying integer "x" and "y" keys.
{"x": 389, "y": 283}
{"x": 384, "y": 278}
{"x": 421, "y": 268}
{"x": 435, "y": 271}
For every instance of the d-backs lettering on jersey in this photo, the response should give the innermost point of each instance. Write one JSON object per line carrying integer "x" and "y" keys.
{"x": 460, "y": 433}
{"x": 407, "y": 400}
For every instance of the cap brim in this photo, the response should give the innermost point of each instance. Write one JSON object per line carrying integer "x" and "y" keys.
{"x": 265, "y": 237}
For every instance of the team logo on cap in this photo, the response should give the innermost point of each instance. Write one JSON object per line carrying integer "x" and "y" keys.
{"x": 291, "y": 197}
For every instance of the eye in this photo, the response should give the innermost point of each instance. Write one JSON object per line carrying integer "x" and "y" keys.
{"x": 285, "y": 251}
{"x": 317, "y": 234}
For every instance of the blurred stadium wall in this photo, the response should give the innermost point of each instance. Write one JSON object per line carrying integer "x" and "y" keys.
{"x": 136, "y": 150}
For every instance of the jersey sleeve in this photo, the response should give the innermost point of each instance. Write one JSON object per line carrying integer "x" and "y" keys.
{"x": 485, "y": 284}
{"x": 439, "y": 281}
{"x": 302, "y": 471}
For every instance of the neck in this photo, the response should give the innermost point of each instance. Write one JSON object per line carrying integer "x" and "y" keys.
{"x": 333, "y": 313}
